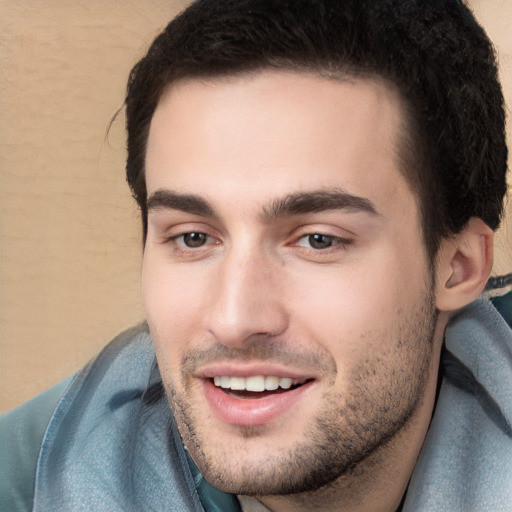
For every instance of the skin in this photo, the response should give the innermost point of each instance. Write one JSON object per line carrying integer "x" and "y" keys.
{"x": 254, "y": 166}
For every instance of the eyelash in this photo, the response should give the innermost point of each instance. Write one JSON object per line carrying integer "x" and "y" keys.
{"x": 334, "y": 243}
{"x": 203, "y": 238}
{"x": 178, "y": 241}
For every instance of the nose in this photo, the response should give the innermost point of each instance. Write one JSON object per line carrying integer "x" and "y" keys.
{"x": 247, "y": 300}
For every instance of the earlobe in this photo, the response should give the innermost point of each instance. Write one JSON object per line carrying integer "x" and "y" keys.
{"x": 464, "y": 264}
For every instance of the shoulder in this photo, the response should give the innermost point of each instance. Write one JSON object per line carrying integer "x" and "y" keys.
{"x": 23, "y": 429}
{"x": 21, "y": 434}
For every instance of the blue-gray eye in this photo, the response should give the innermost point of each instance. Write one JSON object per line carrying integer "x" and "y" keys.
{"x": 194, "y": 239}
{"x": 319, "y": 241}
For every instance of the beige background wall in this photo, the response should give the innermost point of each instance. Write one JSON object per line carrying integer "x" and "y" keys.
{"x": 69, "y": 231}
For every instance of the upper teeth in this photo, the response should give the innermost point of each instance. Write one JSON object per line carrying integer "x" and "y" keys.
{"x": 256, "y": 383}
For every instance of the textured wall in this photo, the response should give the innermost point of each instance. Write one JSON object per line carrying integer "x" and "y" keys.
{"x": 70, "y": 248}
{"x": 69, "y": 233}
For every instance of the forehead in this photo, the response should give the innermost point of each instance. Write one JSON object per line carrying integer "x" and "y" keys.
{"x": 268, "y": 134}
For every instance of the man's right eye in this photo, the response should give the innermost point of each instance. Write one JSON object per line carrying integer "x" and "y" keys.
{"x": 192, "y": 240}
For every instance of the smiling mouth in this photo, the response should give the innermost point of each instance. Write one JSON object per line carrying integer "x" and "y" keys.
{"x": 257, "y": 386}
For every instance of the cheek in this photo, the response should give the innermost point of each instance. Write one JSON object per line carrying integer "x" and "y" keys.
{"x": 348, "y": 295}
{"x": 172, "y": 306}
{"x": 351, "y": 310}
{"x": 168, "y": 294}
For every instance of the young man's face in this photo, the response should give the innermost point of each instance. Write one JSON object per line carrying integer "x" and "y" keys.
{"x": 285, "y": 279}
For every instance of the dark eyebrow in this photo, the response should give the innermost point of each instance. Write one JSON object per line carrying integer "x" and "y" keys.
{"x": 319, "y": 201}
{"x": 188, "y": 203}
{"x": 292, "y": 204}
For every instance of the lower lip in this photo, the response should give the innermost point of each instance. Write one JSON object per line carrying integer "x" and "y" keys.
{"x": 251, "y": 412}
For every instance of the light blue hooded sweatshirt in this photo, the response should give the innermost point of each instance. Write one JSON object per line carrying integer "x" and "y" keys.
{"x": 111, "y": 443}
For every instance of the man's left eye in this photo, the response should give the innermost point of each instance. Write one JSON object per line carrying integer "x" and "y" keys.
{"x": 318, "y": 241}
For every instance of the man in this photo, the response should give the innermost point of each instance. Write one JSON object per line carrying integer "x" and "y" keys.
{"x": 319, "y": 183}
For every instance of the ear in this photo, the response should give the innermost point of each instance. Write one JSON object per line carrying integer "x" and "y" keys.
{"x": 464, "y": 263}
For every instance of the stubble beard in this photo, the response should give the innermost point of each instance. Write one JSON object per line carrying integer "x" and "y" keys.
{"x": 348, "y": 429}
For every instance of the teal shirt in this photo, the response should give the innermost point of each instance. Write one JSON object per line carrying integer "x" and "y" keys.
{"x": 21, "y": 433}
{"x": 22, "y": 430}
